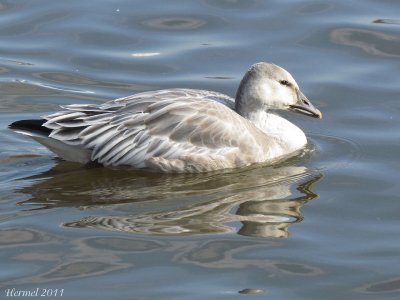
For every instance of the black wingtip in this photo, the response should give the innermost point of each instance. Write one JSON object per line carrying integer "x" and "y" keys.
{"x": 30, "y": 125}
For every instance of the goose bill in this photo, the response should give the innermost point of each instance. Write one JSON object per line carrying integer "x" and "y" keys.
{"x": 305, "y": 107}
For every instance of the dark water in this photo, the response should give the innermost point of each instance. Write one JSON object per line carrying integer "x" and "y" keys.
{"x": 324, "y": 225}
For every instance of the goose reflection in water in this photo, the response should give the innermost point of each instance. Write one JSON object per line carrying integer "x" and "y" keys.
{"x": 255, "y": 202}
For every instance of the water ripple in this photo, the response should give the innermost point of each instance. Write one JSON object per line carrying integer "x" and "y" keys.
{"x": 174, "y": 23}
{"x": 371, "y": 41}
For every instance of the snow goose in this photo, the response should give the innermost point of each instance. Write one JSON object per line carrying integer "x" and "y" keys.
{"x": 182, "y": 130}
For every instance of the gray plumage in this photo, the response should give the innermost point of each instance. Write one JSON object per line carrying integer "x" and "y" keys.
{"x": 175, "y": 130}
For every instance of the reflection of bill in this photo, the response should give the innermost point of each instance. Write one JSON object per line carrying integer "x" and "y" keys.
{"x": 266, "y": 208}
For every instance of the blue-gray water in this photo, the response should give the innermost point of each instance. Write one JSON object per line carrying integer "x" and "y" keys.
{"x": 321, "y": 226}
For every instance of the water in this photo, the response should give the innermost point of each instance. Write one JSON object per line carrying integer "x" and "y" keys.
{"x": 322, "y": 225}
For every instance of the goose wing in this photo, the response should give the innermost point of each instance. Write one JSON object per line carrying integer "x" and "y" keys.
{"x": 172, "y": 131}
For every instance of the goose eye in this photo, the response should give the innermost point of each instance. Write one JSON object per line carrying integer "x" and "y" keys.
{"x": 284, "y": 82}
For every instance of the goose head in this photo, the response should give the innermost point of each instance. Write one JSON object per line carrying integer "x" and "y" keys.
{"x": 267, "y": 86}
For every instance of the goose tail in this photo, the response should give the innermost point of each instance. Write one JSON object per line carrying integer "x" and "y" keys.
{"x": 36, "y": 130}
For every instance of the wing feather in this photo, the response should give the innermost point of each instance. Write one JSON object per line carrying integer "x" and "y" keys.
{"x": 65, "y": 134}
{"x": 172, "y": 130}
